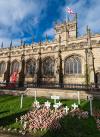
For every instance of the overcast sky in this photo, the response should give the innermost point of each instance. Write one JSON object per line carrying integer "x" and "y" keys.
{"x": 20, "y": 19}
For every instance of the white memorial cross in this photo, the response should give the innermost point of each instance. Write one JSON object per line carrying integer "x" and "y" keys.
{"x": 66, "y": 109}
{"x": 24, "y": 125}
{"x": 59, "y": 103}
{"x": 55, "y": 98}
{"x": 36, "y": 104}
{"x": 47, "y": 104}
{"x": 16, "y": 120}
{"x": 74, "y": 106}
{"x": 56, "y": 106}
{"x": 21, "y": 120}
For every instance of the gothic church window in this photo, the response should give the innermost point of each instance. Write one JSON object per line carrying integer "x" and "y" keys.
{"x": 2, "y": 68}
{"x": 48, "y": 67}
{"x": 30, "y": 68}
{"x": 72, "y": 65}
{"x": 15, "y": 67}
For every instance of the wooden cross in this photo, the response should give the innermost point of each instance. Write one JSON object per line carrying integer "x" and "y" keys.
{"x": 66, "y": 109}
{"x": 74, "y": 106}
{"x": 47, "y": 104}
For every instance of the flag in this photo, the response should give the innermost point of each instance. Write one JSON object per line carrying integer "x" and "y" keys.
{"x": 13, "y": 77}
{"x": 70, "y": 11}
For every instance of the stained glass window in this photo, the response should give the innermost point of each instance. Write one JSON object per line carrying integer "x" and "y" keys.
{"x": 72, "y": 65}
{"x": 48, "y": 66}
{"x": 30, "y": 67}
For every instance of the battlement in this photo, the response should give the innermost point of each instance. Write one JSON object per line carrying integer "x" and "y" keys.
{"x": 67, "y": 30}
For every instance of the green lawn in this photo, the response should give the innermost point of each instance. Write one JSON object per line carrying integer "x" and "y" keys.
{"x": 71, "y": 127}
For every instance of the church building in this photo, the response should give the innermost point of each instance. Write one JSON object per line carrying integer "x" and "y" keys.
{"x": 67, "y": 59}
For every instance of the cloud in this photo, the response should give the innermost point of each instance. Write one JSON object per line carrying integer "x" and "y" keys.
{"x": 22, "y": 18}
{"x": 88, "y": 14}
{"x": 49, "y": 32}
{"x": 18, "y": 17}
{"x": 6, "y": 42}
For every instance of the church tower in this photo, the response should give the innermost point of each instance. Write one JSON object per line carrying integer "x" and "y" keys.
{"x": 67, "y": 30}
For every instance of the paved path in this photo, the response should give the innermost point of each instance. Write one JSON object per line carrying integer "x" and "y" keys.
{"x": 8, "y": 135}
{"x": 5, "y": 135}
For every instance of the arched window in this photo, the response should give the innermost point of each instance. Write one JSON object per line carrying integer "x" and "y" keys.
{"x": 2, "y": 68}
{"x": 72, "y": 65}
{"x": 48, "y": 67}
{"x": 30, "y": 67}
{"x": 15, "y": 67}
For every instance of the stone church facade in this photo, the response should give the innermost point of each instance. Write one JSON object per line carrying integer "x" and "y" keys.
{"x": 66, "y": 59}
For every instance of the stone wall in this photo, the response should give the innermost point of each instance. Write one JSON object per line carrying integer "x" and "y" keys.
{"x": 64, "y": 94}
{"x": 74, "y": 46}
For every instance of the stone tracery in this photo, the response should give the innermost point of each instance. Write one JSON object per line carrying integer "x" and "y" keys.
{"x": 72, "y": 65}
{"x": 48, "y": 67}
{"x": 30, "y": 67}
{"x": 15, "y": 66}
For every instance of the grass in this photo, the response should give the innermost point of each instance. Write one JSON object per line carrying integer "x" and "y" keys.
{"x": 71, "y": 127}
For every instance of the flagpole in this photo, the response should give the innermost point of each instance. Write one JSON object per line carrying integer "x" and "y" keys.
{"x": 67, "y": 17}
